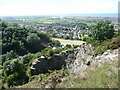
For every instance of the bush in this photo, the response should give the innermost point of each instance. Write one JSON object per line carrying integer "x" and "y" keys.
{"x": 107, "y": 44}
{"x": 10, "y": 80}
{"x": 115, "y": 43}
{"x": 8, "y": 56}
{"x": 14, "y": 72}
{"x": 28, "y": 72}
{"x": 84, "y": 38}
{"x": 75, "y": 46}
{"x": 44, "y": 52}
{"x": 88, "y": 40}
{"x": 57, "y": 50}
{"x": 38, "y": 54}
{"x": 68, "y": 46}
{"x": 55, "y": 43}
{"x": 50, "y": 52}
{"x": 27, "y": 58}
{"x": 16, "y": 79}
{"x": 100, "y": 50}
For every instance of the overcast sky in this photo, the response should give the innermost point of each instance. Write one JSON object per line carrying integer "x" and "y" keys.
{"x": 48, "y": 7}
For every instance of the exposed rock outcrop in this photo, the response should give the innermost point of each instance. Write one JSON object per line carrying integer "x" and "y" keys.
{"x": 83, "y": 60}
{"x": 42, "y": 64}
{"x": 83, "y": 56}
{"x": 74, "y": 59}
{"x": 107, "y": 56}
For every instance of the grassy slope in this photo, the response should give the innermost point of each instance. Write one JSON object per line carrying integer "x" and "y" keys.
{"x": 103, "y": 75}
{"x": 97, "y": 76}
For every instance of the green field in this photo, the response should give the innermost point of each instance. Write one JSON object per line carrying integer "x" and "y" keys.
{"x": 43, "y": 20}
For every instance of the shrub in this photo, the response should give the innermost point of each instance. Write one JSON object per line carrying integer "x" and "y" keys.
{"x": 27, "y": 58}
{"x": 75, "y": 46}
{"x": 50, "y": 52}
{"x": 16, "y": 79}
{"x": 45, "y": 52}
{"x": 57, "y": 50}
{"x": 8, "y": 56}
{"x": 38, "y": 54}
{"x": 88, "y": 40}
{"x": 100, "y": 50}
{"x": 107, "y": 44}
{"x": 68, "y": 46}
{"x": 55, "y": 43}
{"x": 10, "y": 80}
{"x": 66, "y": 37}
{"x": 65, "y": 70}
{"x": 84, "y": 39}
{"x": 115, "y": 43}
{"x": 28, "y": 72}
{"x": 14, "y": 72}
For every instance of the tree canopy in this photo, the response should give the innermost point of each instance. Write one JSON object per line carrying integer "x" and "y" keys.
{"x": 22, "y": 40}
{"x": 102, "y": 30}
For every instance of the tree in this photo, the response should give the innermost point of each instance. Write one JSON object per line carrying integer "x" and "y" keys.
{"x": 102, "y": 30}
{"x": 8, "y": 56}
{"x": 22, "y": 40}
{"x": 33, "y": 38}
{"x": 14, "y": 72}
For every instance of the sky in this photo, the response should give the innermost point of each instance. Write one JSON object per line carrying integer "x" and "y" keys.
{"x": 52, "y": 7}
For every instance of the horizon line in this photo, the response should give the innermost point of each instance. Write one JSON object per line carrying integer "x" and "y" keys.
{"x": 71, "y": 14}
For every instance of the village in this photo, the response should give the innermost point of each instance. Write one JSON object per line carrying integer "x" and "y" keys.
{"x": 65, "y": 27}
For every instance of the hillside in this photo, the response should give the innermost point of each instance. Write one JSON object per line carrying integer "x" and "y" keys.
{"x": 31, "y": 59}
{"x": 101, "y": 73}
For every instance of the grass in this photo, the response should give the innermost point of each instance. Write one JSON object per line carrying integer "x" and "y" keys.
{"x": 43, "y": 80}
{"x": 98, "y": 75}
{"x": 105, "y": 76}
{"x": 43, "y": 20}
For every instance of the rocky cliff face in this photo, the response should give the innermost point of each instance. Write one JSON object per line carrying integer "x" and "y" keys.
{"x": 43, "y": 65}
{"x": 75, "y": 60}
{"x": 83, "y": 57}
